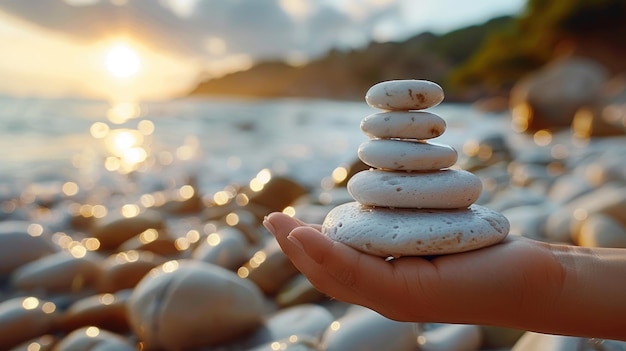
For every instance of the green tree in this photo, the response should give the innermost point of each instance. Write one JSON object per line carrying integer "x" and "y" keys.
{"x": 534, "y": 39}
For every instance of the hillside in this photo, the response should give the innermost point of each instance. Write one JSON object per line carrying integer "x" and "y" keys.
{"x": 469, "y": 63}
{"x": 347, "y": 75}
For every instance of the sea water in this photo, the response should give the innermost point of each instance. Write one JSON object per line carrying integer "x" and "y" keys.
{"x": 214, "y": 141}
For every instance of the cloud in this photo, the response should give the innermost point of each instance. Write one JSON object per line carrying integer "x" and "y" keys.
{"x": 210, "y": 29}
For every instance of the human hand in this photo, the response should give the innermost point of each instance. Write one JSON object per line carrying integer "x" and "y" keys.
{"x": 515, "y": 283}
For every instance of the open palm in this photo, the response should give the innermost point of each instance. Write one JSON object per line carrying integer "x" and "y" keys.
{"x": 517, "y": 283}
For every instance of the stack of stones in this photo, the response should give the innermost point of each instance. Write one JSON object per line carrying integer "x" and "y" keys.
{"x": 411, "y": 203}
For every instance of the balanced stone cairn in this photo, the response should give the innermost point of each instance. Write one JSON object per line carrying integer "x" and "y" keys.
{"x": 411, "y": 203}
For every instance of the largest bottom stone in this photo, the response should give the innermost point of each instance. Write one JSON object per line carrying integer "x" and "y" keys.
{"x": 389, "y": 232}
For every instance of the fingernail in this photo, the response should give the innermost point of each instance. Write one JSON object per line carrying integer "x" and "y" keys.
{"x": 268, "y": 225}
{"x": 295, "y": 241}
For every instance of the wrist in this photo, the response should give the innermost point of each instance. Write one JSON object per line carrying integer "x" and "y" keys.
{"x": 592, "y": 301}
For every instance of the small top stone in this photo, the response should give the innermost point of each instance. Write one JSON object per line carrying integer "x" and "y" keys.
{"x": 404, "y": 95}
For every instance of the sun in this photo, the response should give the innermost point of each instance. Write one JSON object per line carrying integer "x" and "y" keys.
{"x": 122, "y": 61}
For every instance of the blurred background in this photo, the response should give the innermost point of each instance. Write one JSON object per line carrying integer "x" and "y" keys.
{"x": 123, "y": 54}
{"x": 163, "y": 49}
{"x": 333, "y": 49}
{"x": 141, "y": 134}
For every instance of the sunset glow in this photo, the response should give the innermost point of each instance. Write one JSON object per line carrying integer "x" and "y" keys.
{"x": 122, "y": 61}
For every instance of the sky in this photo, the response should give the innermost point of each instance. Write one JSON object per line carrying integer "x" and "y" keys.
{"x": 154, "y": 49}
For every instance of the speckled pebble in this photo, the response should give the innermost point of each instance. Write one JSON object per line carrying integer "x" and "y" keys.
{"x": 409, "y": 232}
{"x": 407, "y": 155}
{"x": 418, "y": 125}
{"x": 446, "y": 189}
{"x": 404, "y": 95}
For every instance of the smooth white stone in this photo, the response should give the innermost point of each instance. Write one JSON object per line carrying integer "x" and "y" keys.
{"x": 389, "y": 232}
{"x": 364, "y": 329}
{"x": 404, "y": 95}
{"x": 548, "y": 342}
{"x": 403, "y": 125}
{"x": 187, "y": 304}
{"x": 403, "y": 155}
{"x": 443, "y": 189}
{"x": 446, "y": 337}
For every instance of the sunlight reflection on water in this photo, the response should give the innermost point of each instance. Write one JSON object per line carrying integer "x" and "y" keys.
{"x": 219, "y": 142}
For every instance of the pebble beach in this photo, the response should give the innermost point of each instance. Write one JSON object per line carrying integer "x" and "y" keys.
{"x": 141, "y": 228}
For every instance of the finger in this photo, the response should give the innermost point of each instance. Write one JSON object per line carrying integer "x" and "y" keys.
{"x": 349, "y": 275}
{"x": 323, "y": 278}
{"x": 280, "y": 225}
{"x": 346, "y": 273}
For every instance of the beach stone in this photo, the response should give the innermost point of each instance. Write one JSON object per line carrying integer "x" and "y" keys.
{"x": 495, "y": 179}
{"x": 351, "y": 169}
{"x": 227, "y": 248}
{"x": 24, "y": 318}
{"x": 457, "y": 337}
{"x": 563, "y": 224}
{"x": 298, "y": 290}
{"x": 568, "y": 187}
{"x": 404, "y": 95}
{"x": 248, "y": 224}
{"x": 496, "y": 338}
{"x": 492, "y": 104}
{"x": 18, "y": 247}
{"x": 315, "y": 213}
{"x": 589, "y": 122}
{"x": 60, "y": 272}
{"x": 292, "y": 343}
{"x": 185, "y": 304}
{"x": 529, "y": 174}
{"x": 176, "y": 203}
{"x": 600, "y": 230}
{"x": 528, "y": 220}
{"x": 269, "y": 268}
{"x": 93, "y": 339}
{"x": 549, "y": 98}
{"x": 158, "y": 241}
{"x": 446, "y": 189}
{"x": 114, "y": 229}
{"x": 548, "y": 342}
{"x": 105, "y": 311}
{"x": 277, "y": 193}
{"x": 124, "y": 270}
{"x": 40, "y": 343}
{"x": 511, "y": 197}
{"x": 485, "y": 151}
{"x": 406, "y": 155}
{"x": 364, "y": 329}
{"x": 607, "y": 169}
{"x": 418, "y": 125}
{"x": 409, "y": 232}
{"x": 307, "y": 321}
